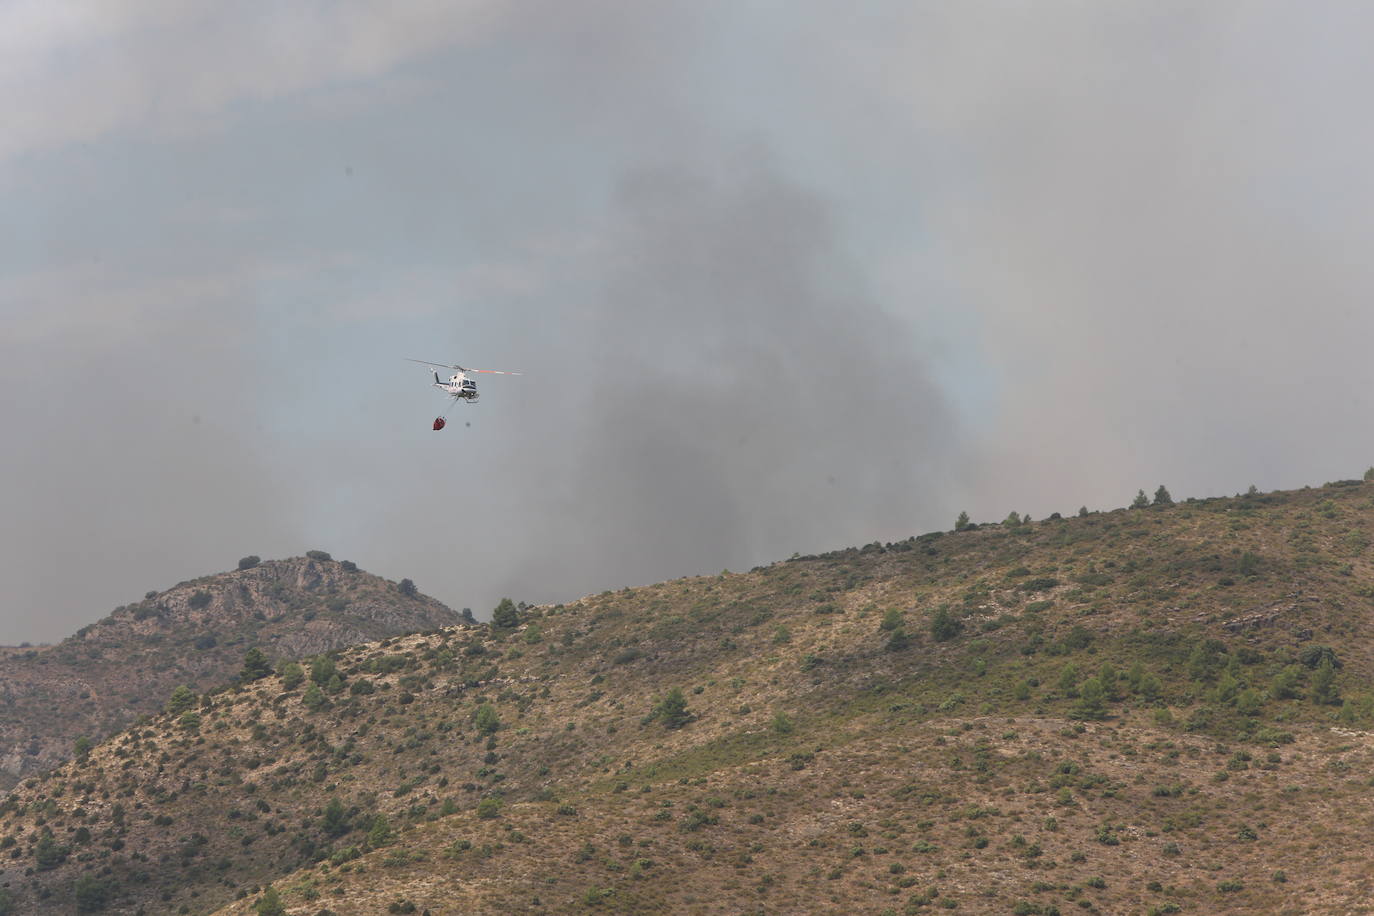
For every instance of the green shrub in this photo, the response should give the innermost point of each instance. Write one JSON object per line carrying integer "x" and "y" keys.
{"x": 335, "y": 818}
{"x": 379, "y": 833}
{"x": 486, "y": 719}
{"x": 292, "y": 675}
{"x": 944, "y": 625}
{"x": 182, "y": 699}
{"x": 249, "y": 562}
{"x": 625, "y": 656}
{"x": 314, "y": 698}
{"x": 1091, "y": 700}
{"x": 269, "y": 904}
{"x": 1324, "y": 690}
{"x": 671, "y": 709}
{"x": 47, "y": 852}
{"x": 322, "y": 668}
{"x": 1313, "y": 656}
{"x": 91, "y": 894}
{"x": 489, "y": 808}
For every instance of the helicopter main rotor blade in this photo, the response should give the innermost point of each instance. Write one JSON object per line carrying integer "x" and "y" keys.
{"x": 435, "y": 365}
{"x": 493, "y": 371}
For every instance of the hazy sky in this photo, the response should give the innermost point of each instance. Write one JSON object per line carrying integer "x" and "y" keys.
{"x": 782, "y": 277}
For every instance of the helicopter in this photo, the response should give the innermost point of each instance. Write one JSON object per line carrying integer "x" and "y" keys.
{"x": 459, "y": 387}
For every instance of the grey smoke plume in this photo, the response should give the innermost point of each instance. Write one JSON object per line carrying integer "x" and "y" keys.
{"x": 745, "y": 396}
{"x": 1000, "y": 256}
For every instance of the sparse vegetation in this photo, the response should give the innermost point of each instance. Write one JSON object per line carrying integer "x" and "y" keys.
{"x": 1109, "y": 701}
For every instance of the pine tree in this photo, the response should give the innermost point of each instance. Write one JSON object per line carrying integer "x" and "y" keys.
{"x": 1140, "y": 501}
{"x": 486, "y": 719}
{"x": 1285, "y": 684}
{"x": 269, "y": 904}
{"x": 505, "y": 615}
{"x": 181, "y": 700}
{"x": 322, "y": 668}
{"x": 380, "y": 832}
{"x": 314, "y": 697}
{"x": 1091, "y": 700}
{"x": 291, "y": 675}
{"x": 1162, "y": 497}
{"x": 255, "y": 666}
{"x": 672, "y": 709}
{"x": 961, "y": 522}
{"x": 1324, "y": 691}
{"x": 90, "y": 894}
{"x": 335, "y": 821}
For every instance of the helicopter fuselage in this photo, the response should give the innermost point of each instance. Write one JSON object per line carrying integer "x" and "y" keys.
{"x": 459, "y": 387}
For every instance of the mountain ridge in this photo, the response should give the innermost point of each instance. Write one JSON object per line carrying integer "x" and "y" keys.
{"x": 1155, "y": 710}
{"x": 194, "y": 633}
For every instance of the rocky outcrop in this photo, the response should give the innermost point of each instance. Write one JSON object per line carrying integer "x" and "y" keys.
{"x": 195, "y": 633}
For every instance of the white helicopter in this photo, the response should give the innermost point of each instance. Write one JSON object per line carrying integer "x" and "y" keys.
{"x": 459, "y": 387}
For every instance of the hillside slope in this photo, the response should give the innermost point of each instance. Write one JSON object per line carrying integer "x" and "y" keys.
{"x": 1145, "y": 711}
{"x": 195, "y": 633}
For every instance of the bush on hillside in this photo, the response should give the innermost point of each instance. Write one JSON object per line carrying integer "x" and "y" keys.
{"x": 486, "y": 719}
{"x": 944, "y": 625}
{"x": 671, "y": 709}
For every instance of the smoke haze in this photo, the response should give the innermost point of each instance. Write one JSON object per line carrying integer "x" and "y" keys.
{"x": 778, "y": 281}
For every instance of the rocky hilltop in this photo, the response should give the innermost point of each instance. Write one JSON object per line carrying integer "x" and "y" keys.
{"x": 195, "y": 633}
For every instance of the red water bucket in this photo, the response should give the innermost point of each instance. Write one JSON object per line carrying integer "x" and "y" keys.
{"x": 438, "y": 422}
